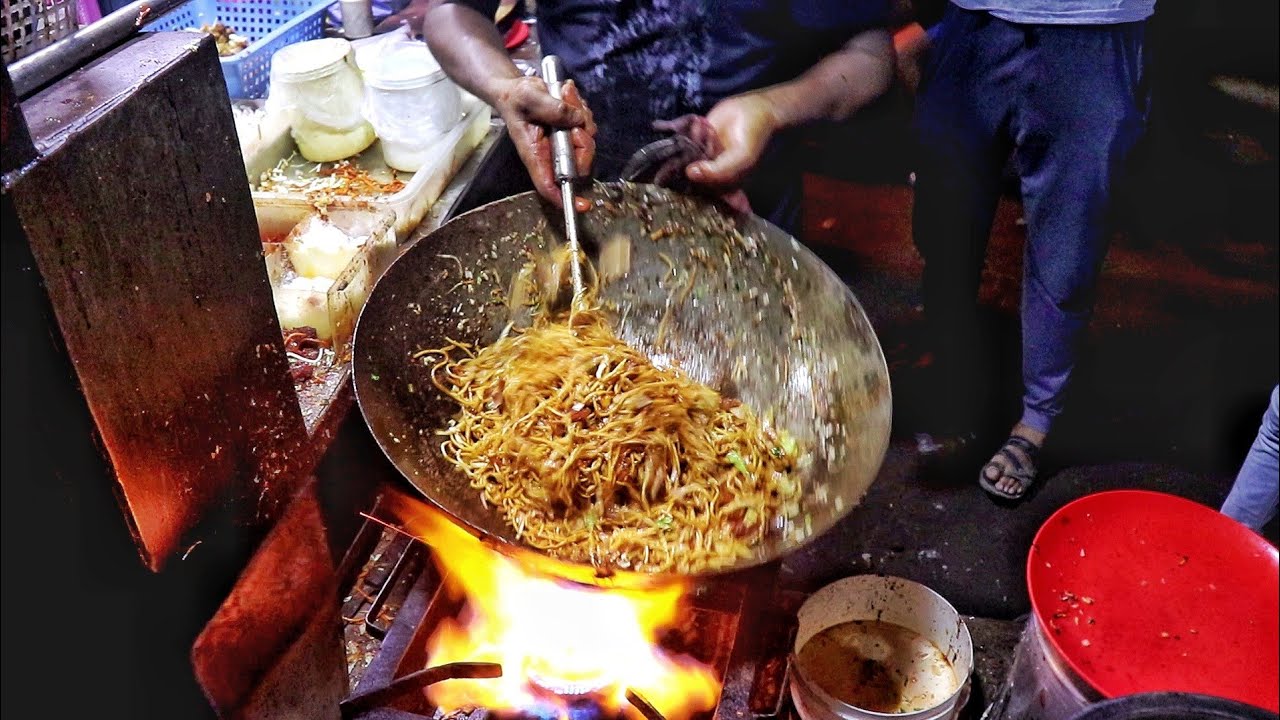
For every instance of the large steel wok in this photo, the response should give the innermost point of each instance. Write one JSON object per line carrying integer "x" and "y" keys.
{"x": 728, "y": 298}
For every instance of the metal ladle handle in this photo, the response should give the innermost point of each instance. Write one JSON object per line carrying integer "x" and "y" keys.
{"x": 566, "y": 171}
{"x": 561, "y": 143}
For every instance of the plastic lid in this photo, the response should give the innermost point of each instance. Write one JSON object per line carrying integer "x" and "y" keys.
{"x": 310, "y": 60}
{"x": 404, "y": 68}
{"x": 1143, "y": 591}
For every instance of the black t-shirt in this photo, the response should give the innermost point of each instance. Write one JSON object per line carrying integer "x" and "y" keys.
{"x": 635, "y": 61}
{"x": 757, "y": 43}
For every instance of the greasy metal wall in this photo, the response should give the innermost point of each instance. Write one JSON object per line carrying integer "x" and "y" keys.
{"x": 153, "y": 443}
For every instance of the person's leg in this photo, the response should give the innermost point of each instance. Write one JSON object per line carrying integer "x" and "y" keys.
{"x": 1256, "y": 492}
{"x": 961, "y": 109}
{"x": 1080, "y": 111}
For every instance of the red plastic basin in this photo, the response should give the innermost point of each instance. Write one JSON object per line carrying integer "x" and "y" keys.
{"x": 1142, "y": 591}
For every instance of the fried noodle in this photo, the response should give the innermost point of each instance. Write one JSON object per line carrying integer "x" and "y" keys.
{"x": 593, "y": 454}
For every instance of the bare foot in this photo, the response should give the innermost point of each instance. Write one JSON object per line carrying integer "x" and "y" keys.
{"x": 1013, "y": 468}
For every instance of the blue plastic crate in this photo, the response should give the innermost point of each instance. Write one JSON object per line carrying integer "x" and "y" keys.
{"x": 268, "y": 25}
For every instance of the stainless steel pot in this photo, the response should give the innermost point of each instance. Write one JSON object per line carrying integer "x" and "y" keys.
{"x": 893, "y": 600}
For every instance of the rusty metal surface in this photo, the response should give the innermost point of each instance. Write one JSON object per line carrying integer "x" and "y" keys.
{"x": 746, "y": 310}
{"x": 289, "y": 582}
{"x": 93, "y": 92}
{"x": 44, "y": 66}
{"x": 326, "y": 396}
{"x": 144, "y": 233}
{"x": 306, "y": 682}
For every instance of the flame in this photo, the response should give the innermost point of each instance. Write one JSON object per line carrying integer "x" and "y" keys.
{"x": 562, "y": 634}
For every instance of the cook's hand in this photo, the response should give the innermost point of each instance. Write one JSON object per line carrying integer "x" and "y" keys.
{"x": 706, "y": 146}
{"x": 410, "y": 15}
{"x": 531, "y": 113}
{"x": 743, "y": 124}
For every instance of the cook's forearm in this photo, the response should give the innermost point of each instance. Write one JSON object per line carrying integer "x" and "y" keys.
{"x": 469, "y": 48}
{"x": 839, "y": 85}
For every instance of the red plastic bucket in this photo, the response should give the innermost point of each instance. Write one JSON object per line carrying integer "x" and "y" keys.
{"x": 1140, "y": 591}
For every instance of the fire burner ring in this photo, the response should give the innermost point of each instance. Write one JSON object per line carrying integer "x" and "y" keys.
{"x": 560, "y": 683}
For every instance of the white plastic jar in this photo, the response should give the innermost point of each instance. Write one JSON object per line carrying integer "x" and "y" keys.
{"x": 317, "y": 84}
{"x": 411, "y": 104}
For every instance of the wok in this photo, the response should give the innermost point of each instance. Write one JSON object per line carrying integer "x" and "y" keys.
{"x": 731, "y": 300}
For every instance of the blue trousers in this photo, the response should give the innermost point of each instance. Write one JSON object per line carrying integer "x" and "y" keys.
{"x": 1069, "y": 103}
{"x": 1256, "y": 492}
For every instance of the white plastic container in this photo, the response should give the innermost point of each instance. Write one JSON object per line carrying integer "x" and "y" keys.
{"x": 319, "y": 248}
{"x": 411, "y": 204}
{"x": 411, "y": 104}
{"x": 317, "y": 85}
{"x": 321, "y": 290}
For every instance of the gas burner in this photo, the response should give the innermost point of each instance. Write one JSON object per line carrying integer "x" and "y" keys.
{"x": 557, "y": 684}
{"x": 748, "y": 658}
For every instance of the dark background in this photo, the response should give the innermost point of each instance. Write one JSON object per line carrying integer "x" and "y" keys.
{"x": 1172, "y": 385}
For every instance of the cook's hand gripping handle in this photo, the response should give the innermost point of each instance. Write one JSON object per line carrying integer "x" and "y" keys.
{"x": 561, "y": 143}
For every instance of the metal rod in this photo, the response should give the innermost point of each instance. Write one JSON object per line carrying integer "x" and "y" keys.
{"x": 644, "y": 706}
{"x": 372, "y": 626}
{"x": 561, "y": 143}
{"x": 571, "y": 233}
{"x": 416, "y": 681}
{"x": 566, "y": 172}
{"x": 48, "y": 64}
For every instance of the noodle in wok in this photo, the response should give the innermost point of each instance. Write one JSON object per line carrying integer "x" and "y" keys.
{"x": 595, "y": 455}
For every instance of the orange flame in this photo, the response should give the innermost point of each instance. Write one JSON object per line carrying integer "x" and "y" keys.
{"x": 560, "y": 634}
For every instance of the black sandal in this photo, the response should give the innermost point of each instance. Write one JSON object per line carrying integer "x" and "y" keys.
{"x": 1023, "y": 472}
